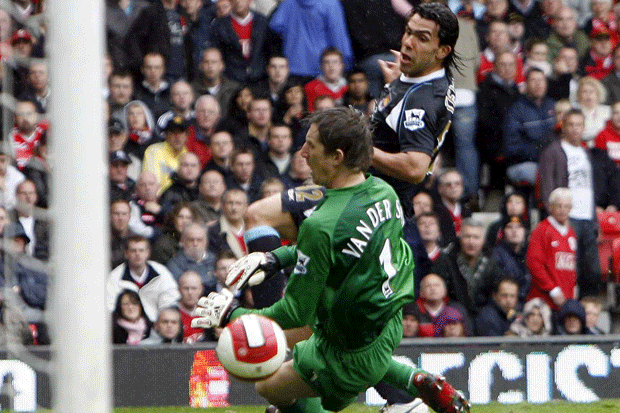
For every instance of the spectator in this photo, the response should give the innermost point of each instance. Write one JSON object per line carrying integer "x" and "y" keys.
{"x": 411, "y": 321}
{"x": 566, "y": 163}
{"x": 495, "y": 10}
{"x": 120, "y": 16}
{"x": 22, "y": 43}
{"x": 163, "y": 158}
{"x": 121, "y": 186}
{"x": 27, "y": 132}
{"x": 423, "y": 202}
{"x": 162, "y": 30}
{"x": 120, "y": 214}
{"x": 535, "y": 320}
{"x": 168, "y": 244}
{"x": 293, "y": 110}
{"x": 228, "y": 231}
{"x": 275, "y": 85}
{"x": 498, "y": 41}
{"x": 451, "y": 323}
{"x": 238, "y": 109}
{"x": 191, "y": 289}
{"x": 551, "y": 253}
{"x": 451, "y": 190}
{"x": 537, "y": 55}
{"x": 602, "y": 18}
{"x": 12, "y": 320}
{"x": 612, "y": 80}
{"x": 598, "y": 62}
{"x": 278, "y": 156}
{"x": 566, "y": 33}
{"x": 299, "y": 172}
{"x": 255, "y": 136}
{"x": 609, "y": 138}
{"x": 271, "y": 186}
{"x": 151, "y": 280}
{"x": 194, "y": 256}
{"x": 606, "y": 180}
{"x": 572, "y": 319}
{"x": 121, "y": 93}
{"x": 564, "y": 81}
{"x": 118, "y": 141}
{"x": 428, "y": 225}
{"x": 307, "y": 30}
{"x": 496, "y": 317}
{"x": 324, "y": 102}
{"x": 37, "y": 169}
{"x": 590, "y": 98}
{"x": 184, "y": 186}
{"x": 130, "y": 325}
{"x": 148, "y": 210}
{"x": 154, "y": 91}
{"x": 432, "y": 303}
{"x": 358, "y": 93}
{"x": 38, "y": 230}
{"x": 37, "y": 88}
{"x": 528, "y": 122}
{"x": 141, "y": 128}
{"x": 331, "y": 81}
{"x": 181, "y": 101}
{"x": 509, "y": 254}
{"x": 244, "y": 174}
{"x": 223, "y": 261}
{"x": 199, "y": 15}
{"x": 209, "y": 202}
{"x": 167, "y": 329}
{"x": 495, "y": 95}
{"x": 222, "y": 147}
{"x": 593, "y": 308}
{"x": 10, "y": 178}
{"x": 468, "y": 272}
{"x": 212, "y": 81}
{"x": 245, "y": 41}
{"x": 515, "y": 203}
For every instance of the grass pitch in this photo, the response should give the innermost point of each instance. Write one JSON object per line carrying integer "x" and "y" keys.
{"x": 603, "y": 406}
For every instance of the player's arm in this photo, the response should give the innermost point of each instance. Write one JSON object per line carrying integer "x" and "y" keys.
{"x": 406, "y": 166}
{"x": 268, "y": 211}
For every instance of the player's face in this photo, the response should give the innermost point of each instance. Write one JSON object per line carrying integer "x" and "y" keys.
{"x": 168, "y": 324}
{"x": 190, "y": 289}
{"x": 560, "y": 210}
{"x": 420, "y": 53}
{"x": 137, "y": 254}
{"x": 506, "y": 296}
{"x": 320, "y": 163}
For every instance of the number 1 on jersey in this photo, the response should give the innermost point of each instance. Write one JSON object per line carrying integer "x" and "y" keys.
{"x": 385, "y": 259}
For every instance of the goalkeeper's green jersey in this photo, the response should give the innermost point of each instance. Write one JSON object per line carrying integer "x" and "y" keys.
{"x": 353, "y": 270}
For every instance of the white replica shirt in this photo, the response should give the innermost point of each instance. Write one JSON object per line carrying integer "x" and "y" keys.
{"x": 579, "y": 181}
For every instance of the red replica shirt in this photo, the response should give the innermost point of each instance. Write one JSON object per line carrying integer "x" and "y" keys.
{"x": 609, "y": 140}
{"x": 551, "y": 258}
{"x": 190, "y": 335}
{"x": 23, "y": 145}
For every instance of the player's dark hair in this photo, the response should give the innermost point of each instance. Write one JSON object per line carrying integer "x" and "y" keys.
{"x": 448, "y": 29}
{"x": 346, "y": 129}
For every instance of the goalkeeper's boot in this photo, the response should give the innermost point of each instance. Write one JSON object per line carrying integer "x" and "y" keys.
{"x": 436, "y": 392}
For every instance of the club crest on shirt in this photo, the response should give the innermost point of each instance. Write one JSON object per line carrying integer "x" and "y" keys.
{"x": 413, "y": 119}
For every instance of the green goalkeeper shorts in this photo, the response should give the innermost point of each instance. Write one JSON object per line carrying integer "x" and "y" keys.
{"x": 339, "y": 375}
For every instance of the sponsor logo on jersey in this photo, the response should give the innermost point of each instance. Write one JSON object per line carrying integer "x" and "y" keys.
{"x": 414, "y": 119}
{"x": 384, "y": 102}
{"x": 302, "y": 263}
{"x": 565, "y": 261}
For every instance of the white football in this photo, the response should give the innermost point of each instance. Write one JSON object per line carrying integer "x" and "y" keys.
{"x": 251, "y": 347}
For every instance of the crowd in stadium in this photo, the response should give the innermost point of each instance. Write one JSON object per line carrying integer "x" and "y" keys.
{"x": 205, "y": 108}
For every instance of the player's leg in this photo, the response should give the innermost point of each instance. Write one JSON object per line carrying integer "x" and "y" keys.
{"x": 285, "y": 387}
{"x": 433, "y": 390}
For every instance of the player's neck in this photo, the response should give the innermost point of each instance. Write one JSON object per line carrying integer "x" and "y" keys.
{"x": 347, "y": 179}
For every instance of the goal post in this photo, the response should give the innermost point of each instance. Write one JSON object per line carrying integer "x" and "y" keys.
{"x": 79, "y": 321}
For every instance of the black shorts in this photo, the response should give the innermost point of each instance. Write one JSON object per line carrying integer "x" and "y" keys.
{"x": 301, "y": 201}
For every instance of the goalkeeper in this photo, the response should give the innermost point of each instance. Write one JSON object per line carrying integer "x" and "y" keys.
{"x": 352, "y": 276}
